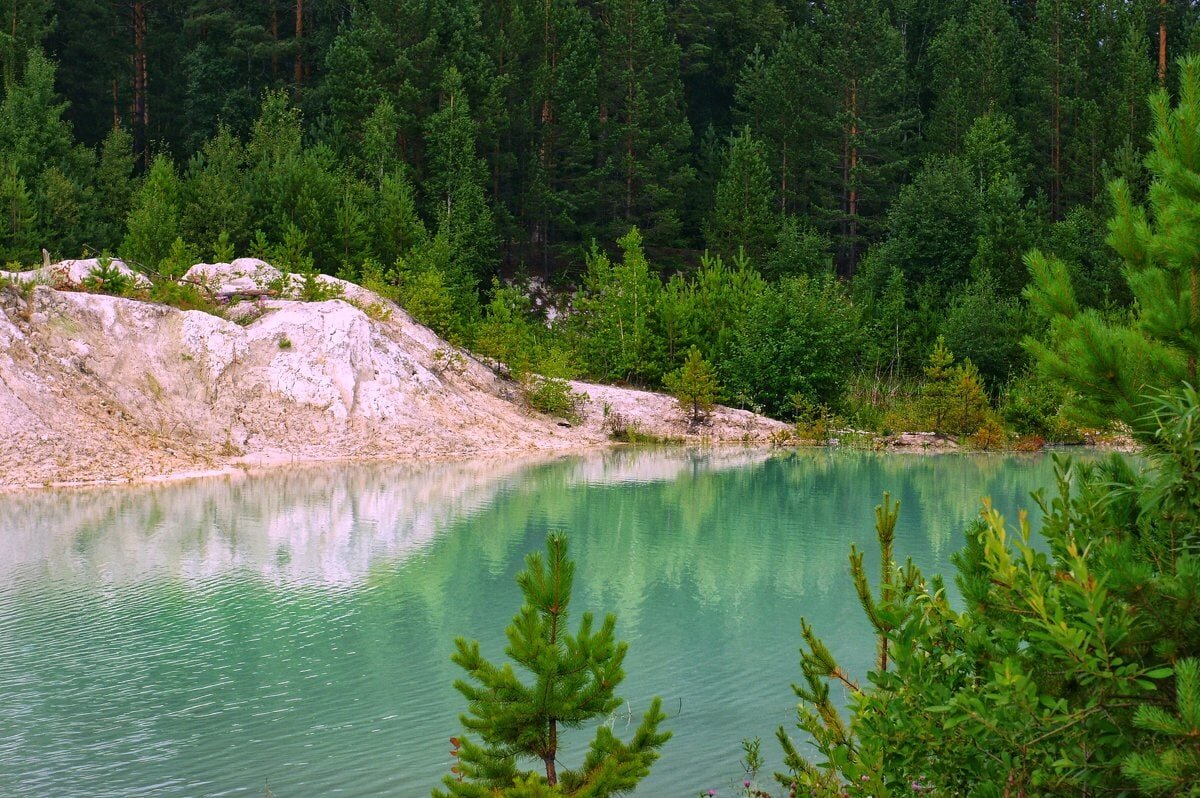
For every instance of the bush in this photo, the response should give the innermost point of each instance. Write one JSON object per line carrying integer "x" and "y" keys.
{"x": 1033, "y": 406}
{"x": 987, "y": 328}
{"x": 553, "y": 397}
{"x": 799, "y": 338}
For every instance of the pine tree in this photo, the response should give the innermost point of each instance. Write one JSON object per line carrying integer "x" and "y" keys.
{"x": 456, "y": 179}
{"x": 115, "y": 185}
{"x": 1171, "y": 767}
{"x": 574, "y": 681}
{"x": 616, "y": 323}
{"x": 33, "y": 133}
{"x": 561, "y": 191}
{"x": 742, "y": 215}
{"x": 787, "y": 103}
{"x": 694, "y": 386}
{"x": 863, "y": 71}
{"x": 154, "y": 221}
{"x": 938, "y": 392}
{"x": 977, "y": 67}
{"x": 644, "y": 132}
{"x": 214, "y": 194}
{"x": 25, "y": 24}
{"x": 18, "y": 242}
{"x": 398, "y": 226}
{"x": 1119, "y": 363}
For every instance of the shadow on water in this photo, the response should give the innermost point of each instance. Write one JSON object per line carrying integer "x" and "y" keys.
{"x": 199, "y": 638}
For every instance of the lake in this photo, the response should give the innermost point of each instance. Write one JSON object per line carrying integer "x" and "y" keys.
{"x": 295, "y": 627}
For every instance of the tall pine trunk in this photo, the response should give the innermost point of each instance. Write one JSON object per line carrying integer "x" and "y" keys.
{"x": 1162, "y": 42}
{"x": 141, "y": 107}
{"x": 298, "y": 76}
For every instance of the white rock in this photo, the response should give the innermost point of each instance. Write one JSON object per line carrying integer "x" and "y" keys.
{"x": 243, "y": 274}
{"x": 74, "y": 272}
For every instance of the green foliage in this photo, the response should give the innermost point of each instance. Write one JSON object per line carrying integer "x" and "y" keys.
{"x": 933, "y": 225}
{"x": 800, "y": 249}
{"x": 184, "y": 296}
{"x": 508, "y": 333}
{"x": 953, "y": 396}
{"x": 153, "y": 223}
{"x": 616, "y": 312}
{"x": 106, "y": 278}
{"x": 799, "y": 337}
{"x": 742, "y": 217}
{"x": 1111, "y": 363}
{"x": 987, "y": 328}
{"x": 1172, "y": 766}
{"x": 1032, "y": 406}
{"x": 18, "y": 236}
{"x": 694, "y": 385}
{"x": 552, "y": 396}
{"x": 455, "y": 185}
{"x": 215, "y": 201}
{"x": 574, "y": 678}
{"x": 115, "y": 186}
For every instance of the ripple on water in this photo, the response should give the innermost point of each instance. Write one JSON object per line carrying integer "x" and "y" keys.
{"x": 204, "y": 638}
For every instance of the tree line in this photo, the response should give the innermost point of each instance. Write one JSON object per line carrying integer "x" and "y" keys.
{"x": 915, "y": 150}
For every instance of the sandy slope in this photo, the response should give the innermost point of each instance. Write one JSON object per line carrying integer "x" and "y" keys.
{"x": 94, "y": 387}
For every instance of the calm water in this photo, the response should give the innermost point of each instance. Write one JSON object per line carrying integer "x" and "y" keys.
{"x": 200, "y": 639}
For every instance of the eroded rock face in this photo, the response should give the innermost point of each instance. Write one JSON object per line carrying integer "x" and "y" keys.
{"x": 243, "y": 274}
{"x": 96, "y": 387}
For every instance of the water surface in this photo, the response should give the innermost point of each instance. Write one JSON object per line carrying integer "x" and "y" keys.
{"x": 204, "y": 638}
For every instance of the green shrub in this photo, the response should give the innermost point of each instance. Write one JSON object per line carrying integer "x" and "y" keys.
{"x": 552, "y": 396}
{"x": 106, "y": 278}
{"x": 1033, "y": 406}
{"x": 798, "y": 338}
{"x": 694, "y": 386}
{"x": 184, "y": 296}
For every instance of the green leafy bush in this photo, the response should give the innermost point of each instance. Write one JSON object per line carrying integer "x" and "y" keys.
{"x": 552, "y": 396}
{"x": 798, "y": 338}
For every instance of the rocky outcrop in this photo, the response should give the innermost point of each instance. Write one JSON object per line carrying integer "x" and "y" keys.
{"x": 923, "y": 441}
{"x": 96, "y": 387}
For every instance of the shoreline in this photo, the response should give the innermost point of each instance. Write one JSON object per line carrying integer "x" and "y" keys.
{"x": 259, "y": 464}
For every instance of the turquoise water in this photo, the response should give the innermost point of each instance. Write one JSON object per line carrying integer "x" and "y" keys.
{"x": 204, "y": 638}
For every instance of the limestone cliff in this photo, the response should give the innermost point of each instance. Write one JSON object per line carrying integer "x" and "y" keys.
{"x": 98, "y": 387}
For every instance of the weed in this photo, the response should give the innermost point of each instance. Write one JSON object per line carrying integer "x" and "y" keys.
{"x": 284, "y": 342}
{"x": 448, "y": 360}
{"x": 373, "y": 310}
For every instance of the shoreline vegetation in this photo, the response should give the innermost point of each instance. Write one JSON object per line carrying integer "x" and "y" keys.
{"x": 54, "y": 308}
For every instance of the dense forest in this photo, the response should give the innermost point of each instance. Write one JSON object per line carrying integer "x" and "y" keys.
{"x": 800, "y": 191}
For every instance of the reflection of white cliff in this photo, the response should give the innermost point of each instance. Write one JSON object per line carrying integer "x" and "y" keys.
{"x": 322, "y": 525}
{"x": 660, "y": 465}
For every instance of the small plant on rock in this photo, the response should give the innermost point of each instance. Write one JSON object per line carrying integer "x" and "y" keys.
{"x": 106, "y": 278}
